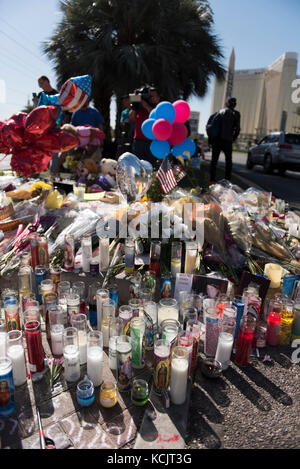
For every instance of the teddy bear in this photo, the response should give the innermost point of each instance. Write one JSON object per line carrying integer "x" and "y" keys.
{"x": 85, "y": 168}
{"x": 107, "y": 179}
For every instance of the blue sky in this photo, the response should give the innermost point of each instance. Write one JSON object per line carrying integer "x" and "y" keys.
{"x": 259, "y": 30}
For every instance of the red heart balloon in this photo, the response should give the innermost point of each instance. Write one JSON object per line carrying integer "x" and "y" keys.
{"x": 41, "y": 120}
{"x": 30, "y": 161}
{"x": 67, "y": 141}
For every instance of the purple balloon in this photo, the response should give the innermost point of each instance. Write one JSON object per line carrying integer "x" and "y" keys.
{"x": 104, "y": 183}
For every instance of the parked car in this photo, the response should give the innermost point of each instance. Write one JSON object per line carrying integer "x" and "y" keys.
{"x": 278, "y": 150}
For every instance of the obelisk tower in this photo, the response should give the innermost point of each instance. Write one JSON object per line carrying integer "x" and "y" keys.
{"x": 229, "y": 78}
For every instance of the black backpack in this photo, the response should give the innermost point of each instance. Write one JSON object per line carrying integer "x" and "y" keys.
{"x": 213, "y": 126}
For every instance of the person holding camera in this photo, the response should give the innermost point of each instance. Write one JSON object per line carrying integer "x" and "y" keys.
{"x": 43, "y": 83}
{"x": 142, "y": 103}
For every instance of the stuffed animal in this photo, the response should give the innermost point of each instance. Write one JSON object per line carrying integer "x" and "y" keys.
{"x": 108, "y": 167}
{"x": 87, "y": 135}
{"x": 84, "y": 168}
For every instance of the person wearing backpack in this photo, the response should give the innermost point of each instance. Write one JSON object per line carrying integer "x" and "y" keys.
{"x": 222, "y": 129}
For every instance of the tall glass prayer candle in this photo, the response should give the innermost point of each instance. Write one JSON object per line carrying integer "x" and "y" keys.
{"x": 7, "y": 388}
{"x": 155, "y": 251}
{"x": 229, "y": 313}
{"x": 136, "y": 306}
{"x": 63, "y": 288}
{"x": 49, "y": 300}
{"x": 55, "y": 275}
{"x": 108, "y": 313}
{"x": 296, "y": 323}
{"x": 79, "y": 288}
{"x": 176, "y": 253}
{"x": 207, "y": 304}
{"x": 25, "y": 259}
{"x": 29, "y": 300}
{"x": 73, "y": 305}
{"x": 78, "y": 321}
{"x": 101, "y": 295}
{"x": 115, "y": 327}
{"x": 92, "y": 300}
{"x": 86, "y": 253}
{"x": 43, "y": 251}
{"x": 58, "y": 315}
{"x": 69, "y": 252}
{"x": 137, "y": 334}
{"x": 34, "y": 251}
{"x": 95, "y": 357}
{"x": 189, "y": 313}
{"x": 194, "y": 328}
{"x": 125, "y": 315}
{"x": 114, "y": 295}
{"x": 25, "y": 282}
{"x": 185, "y": 339}
{"x": 225, "y": 342}
{"x": 56, "y": 334}
{"x": 129, "y": 256}
{"x": 11, "y": 309}
{"x": 144, "y": 295}
{"x": 167, "y": 309}
{"x": 191, "y": 251}
{"x": 40, "y": 273}
{"x": 103, "y": 253}
{"x": 150, "y": 317}
{"x": 273, "y": 327}
{"x": 179, "y": 375}
{"x": 252, "y": 303}
{"x": 239, "y": 304}
{"x": 161, "y": 365}
{"x": 46, "y": 287}
{"x": 71, "y": 354}
{"x": 124, "y": 363}
{"x": 222, "y": 302}
{"x": 212, "y": 324}
{"x": 34, "y": 346}
{"x": 112, "y": 354}
{"x": 245, "y": 339}
{"x": 170, "y": 329}
{"x": 287, "y": 318}
{"x": 3, "y": 337}
{"x": 15, "y": 351}
{"x": 32, "y": 313}
{"x": 149, "y": 281}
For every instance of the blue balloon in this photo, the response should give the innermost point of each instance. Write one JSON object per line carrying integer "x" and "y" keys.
{"x": 147, "y": 128}
{"x": 160, "y": 148}
{"x": 165, "y": 110}
{"x": 188, "y": 145}
{"x": 152, "y": 114}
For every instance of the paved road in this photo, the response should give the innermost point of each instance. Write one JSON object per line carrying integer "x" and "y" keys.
{"x": 286, "y": 187}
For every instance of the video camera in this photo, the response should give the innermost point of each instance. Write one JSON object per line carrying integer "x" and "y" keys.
{"x": 139, "y": 95}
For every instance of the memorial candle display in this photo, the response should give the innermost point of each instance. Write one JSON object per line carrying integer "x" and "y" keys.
{"x": 95, "y": 357}
{"x": 137, "y": 334}
{"x": 212, "y": 320}
{"x": 161, "y": 364}
{"x": 86, "y": 253}
{"x": 15, "y": 352}
{"x": 176, "y": 253}
{"x": 225, "y": 343}
{"x": 34, "y": 346}
{"x": 167, "y": 309}
{"x": 179, "y": 375}
{"x": 71, "y": 354}
{"x": 7, "y": 388}
{"x": 245, "y": 339}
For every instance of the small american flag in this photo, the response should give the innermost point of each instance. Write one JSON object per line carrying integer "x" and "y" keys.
{"x": 169, "y": 175}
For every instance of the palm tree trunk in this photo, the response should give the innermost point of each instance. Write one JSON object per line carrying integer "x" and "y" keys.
{"x": 102, "y": 102}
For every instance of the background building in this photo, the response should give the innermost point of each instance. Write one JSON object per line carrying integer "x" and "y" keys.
{"x": 263, "y": 97}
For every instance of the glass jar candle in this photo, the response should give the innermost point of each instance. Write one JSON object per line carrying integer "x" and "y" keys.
{"x": 296, "y": 323}
{"x": 15, "y": 351}
{"x": 225, "y": 342}
{"x": 129, "y": 256}
{"x": 108, "y": 394}
{"x": 189, "y": 313}
{"x": 3, "y": 336}
{"x": 137, "y": 334}
{"x": 245, "y": 340}
{"x": 155, "y": 251}
{"x": 161, "y": 365}
{"x": 191, "y": 251}
{"x": 108, "y": 314}
{"x": 63, "y": 288}
{"x": 185, "y": 339}
{"x": 7, "y": 389}
{"x": 149, "y": 281}
{"x": 167, "y": 309}
{"x": 79, "y": 289}
{"x": 43, "y": 251}
{"x": 239, "y": 304}
{"x": 34, "y": 254}
{"x": 40, "y": 273}
{"x": 79, "y": 322}
{"x": 124, "y": 363}
{"x": 95, "y": 357}
{"x": 139, "y": 392}
{"x": 286, "y": 324}
{"x": 125, "y": 315}
{"x": 25, "y": 259}
{"x": 69, "y": 252}
{"x": 73, "y": 305}
{"x": 85, "y": 392}
{"x": 170, "y": 329}
{"x": 34, "y": 346}
{"x": 86, "y": 253}
{"x": 112, "y": 354}
{"x": 56, "y": 333}
{"x": 55, "y": 275}
{"x": 115, "y": 327}
{"x": 136, "y": 306}
{"x": 179, "y": 375}
{"x": 102, "y": 295}
{"x": 58, "y": 315}
{"x": 114, "y": 295}
{"x": 29, "y": 299}
{"x": 176, "y": 254}
{"x": 252, "y": 303}
{"x": 194, "y": 328}
{"x": 207, "y": 304}
{"x": 46, "y": 286}
{"x": 103, "y": 254}
{"x": 11, "y": 309}
{"x": 24, "y": 281}
{"x": 212, "y": 320}
{"x": 144, "y": 295}
{"x": 50, "y": 300}
{"x": 71, "y": 354}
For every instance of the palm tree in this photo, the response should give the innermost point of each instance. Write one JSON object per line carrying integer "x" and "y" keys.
{"x": 124, "y": 44}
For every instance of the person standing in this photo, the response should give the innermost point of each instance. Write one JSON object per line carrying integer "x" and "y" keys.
{"x": 87, "y": 115}
{"x": 45, "y": 84}
{"x": 228, "y": 124}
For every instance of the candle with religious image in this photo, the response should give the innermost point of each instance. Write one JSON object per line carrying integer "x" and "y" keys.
{"x": 155, "y": 251}
{"x": 43, "y": 251}
{"x": 137, "y": 334}
{"x": 161, "y": 365}
{"x": 124, "y": 363}
{"x": 34, "y": 346}
{"x": 176, "y": 253}
{"x": 11, "y": 309}
{"x": 69, "y": 252}
{"x": 125, "y": 315}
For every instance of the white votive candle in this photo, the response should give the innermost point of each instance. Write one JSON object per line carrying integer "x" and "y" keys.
{"x": 224, "y": 349}
{"x": 71, "y": 362}
{"x": 3, "y": 336}
{"x": 95, "y": 364}
{"x": 82, "y": 342}
{"x": 178, "y": 382}
{"x": 16, "y": 354}
{"x": 113, "y": 353}
{"x": 56, "y": 332}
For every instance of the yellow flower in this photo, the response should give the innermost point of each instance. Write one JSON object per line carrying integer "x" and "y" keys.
{"x": 40, "y": 185}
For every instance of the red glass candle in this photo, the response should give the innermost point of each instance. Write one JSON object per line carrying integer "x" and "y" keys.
{"x": 34, "y": 251}
{"x": 273, "y": 327}
{"x": 34, "y": 346}
{"x": 245, "y": 339}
